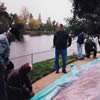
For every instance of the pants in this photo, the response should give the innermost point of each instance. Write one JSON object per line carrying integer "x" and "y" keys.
{"x": 15, "y": 93}
{"x": 3, "y": 84}
{"x": 88, "y": 52}
{"x": 79, "y": 49}
{"x": 63, "y": 53}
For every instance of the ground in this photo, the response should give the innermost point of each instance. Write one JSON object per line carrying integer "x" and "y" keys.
{"x": 47, "y": 80}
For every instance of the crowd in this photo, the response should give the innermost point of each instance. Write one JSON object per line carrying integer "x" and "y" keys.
{"x": 62, "y": 41}
{"x": 15, "y": 84}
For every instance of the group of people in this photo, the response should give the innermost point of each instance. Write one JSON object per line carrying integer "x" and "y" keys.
{"x": 89, "y": 45}
{"x": 62, "y": 41}
{"x": 14, "y": 84}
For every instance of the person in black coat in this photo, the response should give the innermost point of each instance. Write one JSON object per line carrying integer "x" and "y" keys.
{"x": 90, "y": 46}
{"x": 61, "y": 41}
{"x": 19, "y": 86}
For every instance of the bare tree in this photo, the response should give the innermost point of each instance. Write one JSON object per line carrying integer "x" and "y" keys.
{"x": 39, "y": 18}
{"x": 25, "y": 13}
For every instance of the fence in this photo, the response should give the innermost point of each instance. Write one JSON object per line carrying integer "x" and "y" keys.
{"x": 32, "y": 58}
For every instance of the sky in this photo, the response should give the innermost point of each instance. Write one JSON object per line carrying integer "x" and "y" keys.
{"x": 56, "y": 9}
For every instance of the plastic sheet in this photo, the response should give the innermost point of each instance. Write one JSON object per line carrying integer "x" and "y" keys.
{"x": 76, "y": 85}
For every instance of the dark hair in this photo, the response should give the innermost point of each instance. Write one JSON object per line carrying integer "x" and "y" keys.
{"x": 24, "y": 69}
{"x": 61, "y": 25}
{"x": 16, "y": 30}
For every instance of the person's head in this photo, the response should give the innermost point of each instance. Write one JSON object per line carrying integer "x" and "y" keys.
{"x": 15, "y": 32}
{"x": 61, "y": 27}
{"x": 25, "y": 69}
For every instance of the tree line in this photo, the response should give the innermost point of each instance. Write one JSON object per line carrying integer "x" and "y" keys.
{"x": 25, "y": 18}
{"x": 86, "y": 17}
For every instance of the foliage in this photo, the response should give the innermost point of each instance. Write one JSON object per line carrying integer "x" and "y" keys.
{"x": 50, "y": 25}
{"x": 83, "y": 7}
{"x": 89, "y": 12}
{"x": 25, "y": 14}
{"x": 21, "y": 21}
{"x": 34, "y": 24}
{"x": 5, "y": 19}
{"x": 26, "y": 18}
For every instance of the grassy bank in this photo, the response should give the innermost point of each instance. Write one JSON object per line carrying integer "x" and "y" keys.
{"x": 44, "y": 68}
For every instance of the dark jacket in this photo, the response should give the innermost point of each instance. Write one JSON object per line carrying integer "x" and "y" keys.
{"x": 19, "y": 86}
{"x": 90, "y": 45}
{"x": 80, "y": 39}
{"x": 61, "y": 40}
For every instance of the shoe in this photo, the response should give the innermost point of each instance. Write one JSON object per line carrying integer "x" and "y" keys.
{"x": 95, "y": 57}
{"x": 57, "y": 72}
{"x": 64, "y": 71}
{"x": 82, "y": 59}
{"x": 88, "y": 57}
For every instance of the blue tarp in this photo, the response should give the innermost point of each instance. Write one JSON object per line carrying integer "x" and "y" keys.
{"x": 67, "y": 79}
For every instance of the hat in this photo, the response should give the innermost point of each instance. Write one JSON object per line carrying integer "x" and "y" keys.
{"x": 26, "y": 66}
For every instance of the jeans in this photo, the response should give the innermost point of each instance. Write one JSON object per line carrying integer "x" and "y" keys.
{"x": 79, "y": 49}
{"x": 63, "y": 53}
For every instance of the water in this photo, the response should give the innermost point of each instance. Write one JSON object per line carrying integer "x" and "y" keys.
{"x": 35, "y": 45}
{"x": 32, "y": 45}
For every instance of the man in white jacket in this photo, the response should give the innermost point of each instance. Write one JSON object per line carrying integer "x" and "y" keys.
{"x": 5, "y": 40}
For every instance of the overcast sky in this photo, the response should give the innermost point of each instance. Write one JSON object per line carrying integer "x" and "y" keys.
{"x": 56, "y": 9}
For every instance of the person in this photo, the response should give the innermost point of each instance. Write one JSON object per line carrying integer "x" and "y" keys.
{"x": 10, "y": 67}
{"x": 90, "y": 46}
{"x": 5, "y": 40}
{"x": 19, "y": 86}
{"x": 80, "y": 42}
{"x": 98, "y": 36}
{"x": 61, "y": 41}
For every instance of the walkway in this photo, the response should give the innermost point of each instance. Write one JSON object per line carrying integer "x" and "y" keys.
{"x": 47, "y": 80}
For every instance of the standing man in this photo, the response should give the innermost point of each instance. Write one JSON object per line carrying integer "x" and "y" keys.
{"x": 61, "y": 41}
{"x": 5, "y": 40}
{"x": 80, "y": 42}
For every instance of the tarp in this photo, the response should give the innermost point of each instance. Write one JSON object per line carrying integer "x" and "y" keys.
{"x": 59, "y": 90}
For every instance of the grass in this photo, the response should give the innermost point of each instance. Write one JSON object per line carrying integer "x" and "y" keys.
{"x": 46, "y": 67}
{"x": 42, "y": 69}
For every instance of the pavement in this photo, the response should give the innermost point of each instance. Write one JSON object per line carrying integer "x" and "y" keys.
{"x": 49, "y": 79}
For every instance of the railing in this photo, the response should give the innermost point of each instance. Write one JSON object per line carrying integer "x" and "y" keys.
{"x": 33, "y": 57}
